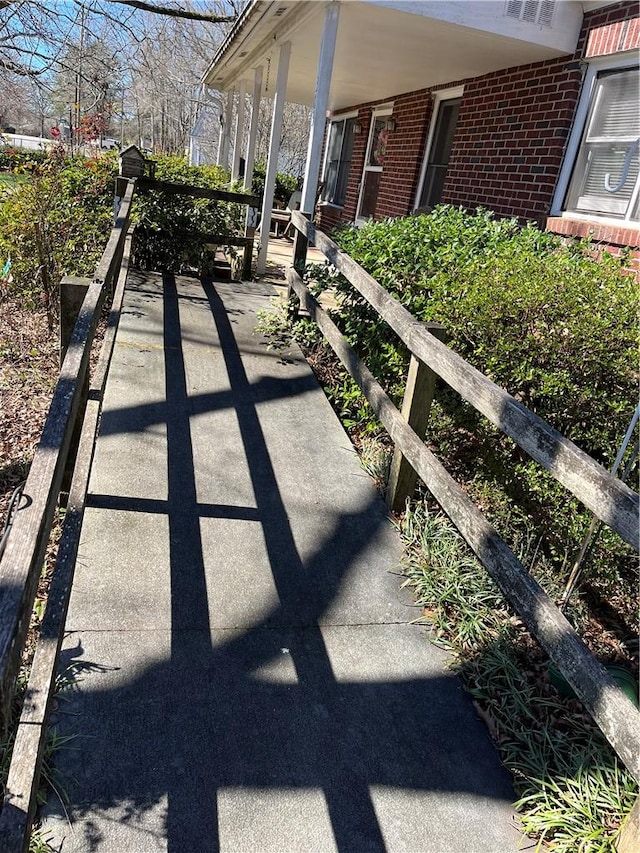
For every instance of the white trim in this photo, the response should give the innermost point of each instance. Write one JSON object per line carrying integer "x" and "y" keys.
{"x": 239, "y": 131}
{"x": 438, "y": 97}
{"x": 250, "y": 156}
{"x": 377, "y": 112}
{"x": 601, "y": 63}
{"x": 341, "y": 116}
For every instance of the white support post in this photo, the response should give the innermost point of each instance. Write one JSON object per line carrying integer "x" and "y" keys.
{"x": 239, "y": 132}
{"x": 253, "y": 129}
{"x": 320, "y": 103}
{"x": 274, "y": 151}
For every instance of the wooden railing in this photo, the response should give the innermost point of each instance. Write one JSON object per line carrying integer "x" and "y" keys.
{"x": 75, "y": 404}
{"x": 606, "y": 496}
{"x": 244, "y": 242}
{"x": 63, "y": 461}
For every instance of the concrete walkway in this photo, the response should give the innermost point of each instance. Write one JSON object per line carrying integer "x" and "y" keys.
{"x": 247, "y": 677}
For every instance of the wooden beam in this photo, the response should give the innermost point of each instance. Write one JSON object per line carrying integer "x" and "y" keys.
{"x": 197, "y": 192}
{"x": 109, "y": 263}
{"x": 613, "y": 711}
{"x": 24, "y": 553}
{"x": 607, "y": 497}
{"x": 21, "y": 788}
{"x": 22, "y": 560}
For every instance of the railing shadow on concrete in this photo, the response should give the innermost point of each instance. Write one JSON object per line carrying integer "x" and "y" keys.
{"x": 307, "y": 732}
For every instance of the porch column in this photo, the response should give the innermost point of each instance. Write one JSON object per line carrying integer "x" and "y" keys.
{"x": 239, "y": 133}
{"x": 320, "y": 103}
{"x": 318, "y": 122}
{"x": 253, "y": 129}
{"x": 274, "y": 151}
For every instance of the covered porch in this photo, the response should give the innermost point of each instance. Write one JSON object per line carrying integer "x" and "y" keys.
{"x": 332, "y": 56}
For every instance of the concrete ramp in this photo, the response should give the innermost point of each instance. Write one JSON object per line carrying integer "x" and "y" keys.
{"x": 246, "y": 677}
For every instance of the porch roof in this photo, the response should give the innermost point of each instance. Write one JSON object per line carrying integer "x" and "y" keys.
{"x": 385, "y": 47}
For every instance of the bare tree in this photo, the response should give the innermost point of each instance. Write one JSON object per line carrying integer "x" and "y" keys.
{"x": 151, "y": 58}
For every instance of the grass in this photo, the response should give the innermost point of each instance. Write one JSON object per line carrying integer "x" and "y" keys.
{"x": 572, "y": 793}
{"x": 11, "y": 180}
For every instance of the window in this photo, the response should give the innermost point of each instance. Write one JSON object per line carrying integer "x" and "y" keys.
{"x": 440, "y": 152}
{"x": 444, "y": 119}
{"x": 605, "y": 179}
{"x": 338, "y": 160}
{"x": 374, "y": 164}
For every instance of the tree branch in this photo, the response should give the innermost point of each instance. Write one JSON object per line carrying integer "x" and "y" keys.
{"x": 166, "y": 10}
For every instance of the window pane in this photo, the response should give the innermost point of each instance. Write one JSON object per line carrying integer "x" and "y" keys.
{"x": 345, "y": 162}
{"x": 333, "y": 155}
{"x": 445, "y": 129}
{"x": 606, "y": 170}
{"x": 617, "y": 114}
{"x": 440, "y": 152}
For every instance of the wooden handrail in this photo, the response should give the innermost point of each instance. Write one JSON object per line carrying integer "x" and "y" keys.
{"x": 24, "y": 554}
{"x": 613, "y": 711}
{"x": 197, "y": 192}
{"x": 607, "y": 497}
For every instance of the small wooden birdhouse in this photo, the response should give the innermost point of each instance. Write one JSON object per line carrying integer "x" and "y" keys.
{"x": 133, "y": 163}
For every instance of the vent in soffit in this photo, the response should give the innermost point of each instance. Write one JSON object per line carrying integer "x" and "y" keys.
{"x": 538, "y": 12}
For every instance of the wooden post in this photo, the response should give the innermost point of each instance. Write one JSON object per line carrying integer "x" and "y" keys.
{"x": 73, "y": 290}
{"x": 249, "y": 233}
{"x": 300, "y": 245}
{"x": 629, "y": 838}
{"x": 416, "y": 406}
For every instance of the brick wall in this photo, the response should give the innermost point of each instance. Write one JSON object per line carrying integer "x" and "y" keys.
{"x": 511, "y": 135}
{"x": 510, "y": 138}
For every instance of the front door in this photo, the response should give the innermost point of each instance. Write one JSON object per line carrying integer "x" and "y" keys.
{"x": 373, "y": 166}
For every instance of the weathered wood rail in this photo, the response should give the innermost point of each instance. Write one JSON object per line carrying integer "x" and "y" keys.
{"x": 22, "y": 561}
{"x": 66, "y": 445}
{"x": 245, "y": 242}
{"x": 607, "y": 497}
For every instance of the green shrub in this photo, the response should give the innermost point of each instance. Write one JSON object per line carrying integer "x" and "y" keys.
{"x": 167, "y": 226}
{"x": 21, "y": 159}
{"x": 547, "y": 321}
{"x": 285, "y": 184}
{"x": 56, "y": 224}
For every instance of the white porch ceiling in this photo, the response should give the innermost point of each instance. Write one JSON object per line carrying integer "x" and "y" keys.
{"x": 383, "y": 50}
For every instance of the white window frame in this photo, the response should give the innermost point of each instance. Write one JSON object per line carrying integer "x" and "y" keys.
{"x": 596, "y": 66}
{"x": 333, "y": 120}
{"x": 380, "y": 111}
{"x": 438, "y": 97}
